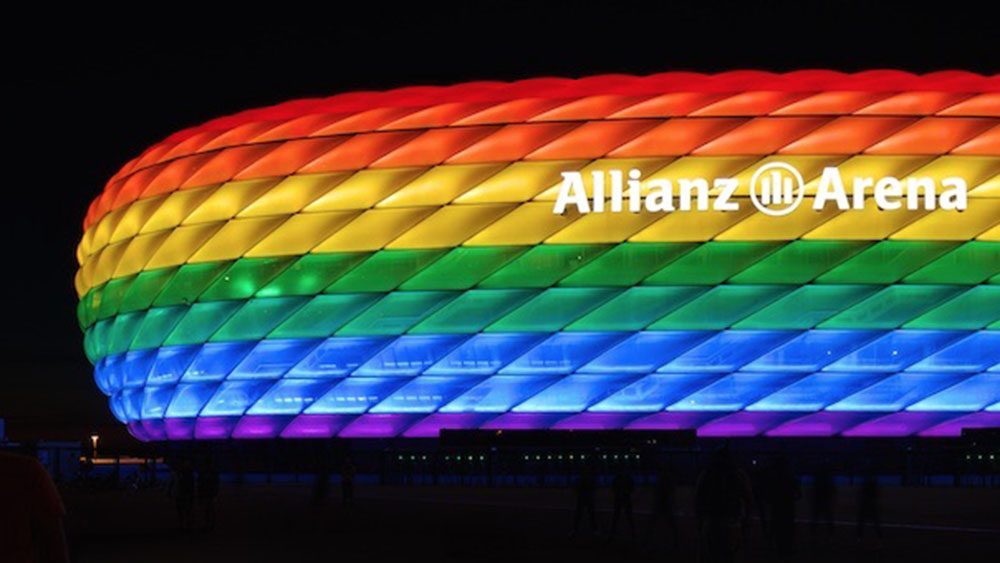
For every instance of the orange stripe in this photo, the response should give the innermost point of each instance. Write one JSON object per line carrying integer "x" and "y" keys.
{"x": 933, "y": 135}
{"x": 433, "y": 147}
{"x": 591, "y": 140}
{"x": 677, "y": 137}
{"x": 761, "y": 136}
{"x": 847, "y": 135}
{"x": 512, "y": 142}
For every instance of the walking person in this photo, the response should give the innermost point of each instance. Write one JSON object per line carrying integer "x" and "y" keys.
{"x": 585, "y": 488}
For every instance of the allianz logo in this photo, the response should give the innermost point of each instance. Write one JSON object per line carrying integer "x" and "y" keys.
{"x": 776, "y": 188}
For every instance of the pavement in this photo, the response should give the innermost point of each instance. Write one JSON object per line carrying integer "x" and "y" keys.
{"x": 280, "y": 523}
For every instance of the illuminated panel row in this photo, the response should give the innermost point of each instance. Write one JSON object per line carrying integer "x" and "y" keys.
{"x": 608, "y": 353}
{"x": 613, "y": 375}
{"x": 296, "y": 153}
{"x": 779, "y": 392}
{"x": 390, "y": 190}
{"x": 745, "y": 307}
{"x": 650, "y": 264}
{"x": 204, "y": 226}
{"x": 707, "y": 423}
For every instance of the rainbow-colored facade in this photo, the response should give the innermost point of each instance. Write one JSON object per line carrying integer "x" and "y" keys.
{"x": 389, "y": 264}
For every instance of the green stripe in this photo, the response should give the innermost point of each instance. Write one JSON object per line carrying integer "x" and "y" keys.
{"x": 636, "y": 308}
{"x": 473, "y": 311}
{"x": 971, "y": 310}
{"x": 385, "y": 270}
{"x": 806, "y": 307}
{"x": 552, "y": 310}
{"x": 540, "y": 267}
{"x": 544, "y": 265}
{"x": 626, "y": 264}
{"x": 968, "y": 264}
{"x": 887, "y": 262}
{"x": 463, "y": 267}
{"x": 720, "y": 307}
{"x": 892, "y": 307}
{"x": 397, "y": 312}
{"x": 712, "y": 263}
{"x": 324, "y": 314}
{"x": 799, "y": 262}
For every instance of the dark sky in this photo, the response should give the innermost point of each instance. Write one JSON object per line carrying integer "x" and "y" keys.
{"x": 91, "y": 91}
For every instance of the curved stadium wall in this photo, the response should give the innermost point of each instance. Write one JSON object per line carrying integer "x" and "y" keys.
{"x": 389, "y": 264}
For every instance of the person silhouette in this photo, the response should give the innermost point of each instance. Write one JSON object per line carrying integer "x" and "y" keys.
{"x": 31, "y": 512}
{"x": 664, "y": 495}
{"x": 585, "y": 488}
{"x": 722, "y": 496}
{"x": 621, "y": 487}
{"x": 823, "y": 499}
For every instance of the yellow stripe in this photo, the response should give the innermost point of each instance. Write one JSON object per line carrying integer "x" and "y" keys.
{"x": 942, "y": 224}
{"x": 300, "y": 233}
{"x": 223, "y": 222}
{"x": 451, "y": 225}
{"x": 373, "y": 229}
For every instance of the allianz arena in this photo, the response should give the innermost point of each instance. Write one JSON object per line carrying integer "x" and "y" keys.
{"x": 388, "y": 264}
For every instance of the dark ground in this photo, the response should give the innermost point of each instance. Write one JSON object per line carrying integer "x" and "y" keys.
{"x": 277, "y": 522}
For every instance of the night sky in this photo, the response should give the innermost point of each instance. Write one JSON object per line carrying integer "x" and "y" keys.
{"x": 87, "y": 97}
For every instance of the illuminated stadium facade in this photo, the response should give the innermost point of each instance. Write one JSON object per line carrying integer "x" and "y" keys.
{"x": 390, "y": 264}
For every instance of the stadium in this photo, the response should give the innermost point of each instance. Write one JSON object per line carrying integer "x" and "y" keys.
{"x": 389, "y": 264}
